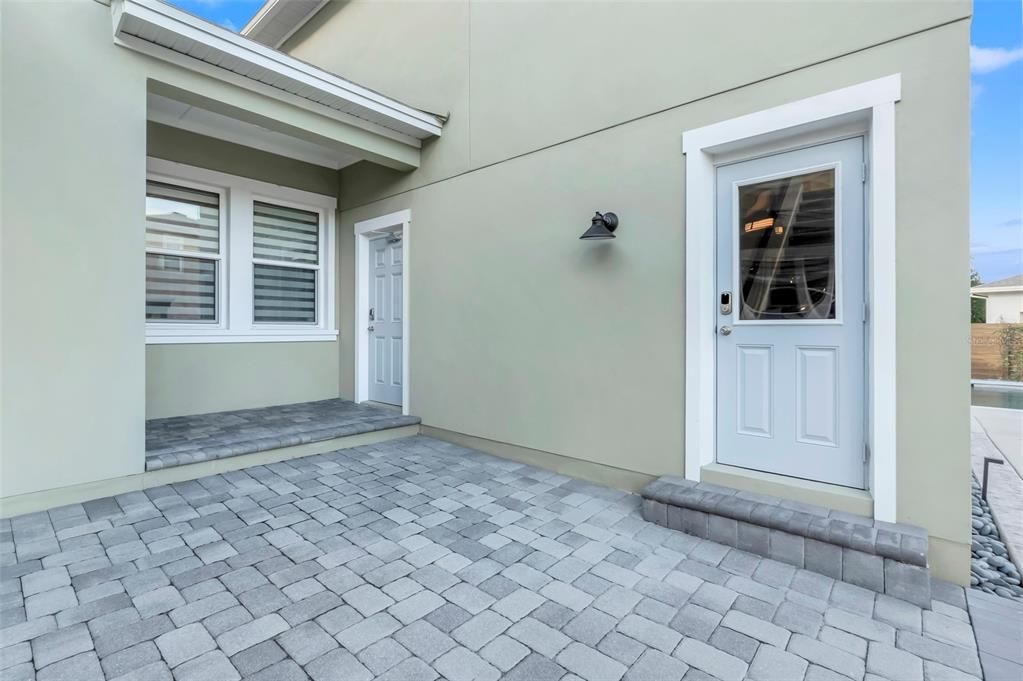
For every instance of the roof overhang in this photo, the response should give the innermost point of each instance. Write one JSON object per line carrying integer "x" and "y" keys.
{"x": 278, "y": 20}
{"x": 186, "y": 116}
{"x": 986, "y": 290}
{"x": 167, "y": 33}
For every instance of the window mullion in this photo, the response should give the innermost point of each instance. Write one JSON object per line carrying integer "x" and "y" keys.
{"x": 240, "y": 258}
{"x": 285, "y": 263}
{"x": 196, "y": 255}
{"x": 324, "y": 276}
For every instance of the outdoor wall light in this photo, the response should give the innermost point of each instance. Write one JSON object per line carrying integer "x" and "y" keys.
{"x": 602, "y": 226}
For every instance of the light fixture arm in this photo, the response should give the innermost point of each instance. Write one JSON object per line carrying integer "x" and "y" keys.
{"x": 610, "y": 220}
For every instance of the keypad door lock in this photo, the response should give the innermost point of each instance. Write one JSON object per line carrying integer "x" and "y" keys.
{"x": 726, "y": 302}
{"x": 372, "y": 314}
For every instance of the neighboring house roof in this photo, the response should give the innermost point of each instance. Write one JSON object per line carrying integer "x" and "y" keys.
{"x": 277, "y": 20}
{"x": 157, "y": 29}
{"x": 1013, "y": 283}
{"x": 1015, "y": 280}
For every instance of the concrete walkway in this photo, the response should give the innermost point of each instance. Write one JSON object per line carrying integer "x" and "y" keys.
{"x": 998, "y": 626}
{"x": 1005, "y": 428}
{"x": 998, "y": 434}
{"x": 418, "y": 559}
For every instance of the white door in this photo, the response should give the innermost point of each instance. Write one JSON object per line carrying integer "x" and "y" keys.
{"x": 791, "y": 314}
{"x": 385, "y": 323}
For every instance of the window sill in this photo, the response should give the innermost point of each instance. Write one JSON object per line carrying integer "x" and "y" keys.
{"x": 277, "y": 336}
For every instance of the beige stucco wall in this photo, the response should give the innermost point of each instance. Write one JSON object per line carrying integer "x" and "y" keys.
{"x": 523, "y": 335}
{"x": 196, "y": 378}
{"x": 73, "y": 360}
{"x": 73, "y": 165}
{"x": 518, "y": 76}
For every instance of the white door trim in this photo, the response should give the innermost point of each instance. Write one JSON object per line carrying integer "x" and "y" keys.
{"x": 365, "y": 231}
{"x": 873, "y": 105}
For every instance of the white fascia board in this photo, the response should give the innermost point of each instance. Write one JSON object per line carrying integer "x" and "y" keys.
{"x": 271, "y": 17}
{"x": 266, "y": 12}
{"x": 318, "y": 85}
{"x": 996, "y": 289}
{"x": 212, "y": 124}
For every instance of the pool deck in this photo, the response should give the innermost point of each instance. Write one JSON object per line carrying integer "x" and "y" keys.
{"x": 1005, "y": 429}
{"x": 998, "y": 434}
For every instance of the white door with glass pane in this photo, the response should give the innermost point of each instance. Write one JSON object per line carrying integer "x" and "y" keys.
{"x": 385, "y": 322}
{"x": 790, "y": 322}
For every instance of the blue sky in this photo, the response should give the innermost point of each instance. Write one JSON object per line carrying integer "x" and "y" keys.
{"x": 996, "y": 164}
{"x": 232, "y": 14}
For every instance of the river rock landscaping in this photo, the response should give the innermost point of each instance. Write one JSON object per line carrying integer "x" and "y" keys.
{"x": 991, "y": 570}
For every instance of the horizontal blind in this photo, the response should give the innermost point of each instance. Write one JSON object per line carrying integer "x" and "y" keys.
{"x": 182, "y": 219}
{"x": 284, "y": 294}
{"x": 180, "y": 288}
{"x": 285, "y": 234}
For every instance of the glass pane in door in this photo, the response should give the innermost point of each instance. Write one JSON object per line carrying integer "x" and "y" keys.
{"x": 787, "y": 248}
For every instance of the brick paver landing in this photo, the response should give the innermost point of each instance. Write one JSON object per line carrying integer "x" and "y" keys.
{"x": 418, "y": 559}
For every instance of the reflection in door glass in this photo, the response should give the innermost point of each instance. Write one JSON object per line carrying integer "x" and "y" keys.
{"x": 787, "y": 248}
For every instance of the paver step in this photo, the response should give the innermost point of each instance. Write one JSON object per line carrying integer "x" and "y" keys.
{"x": 889, "y": 558}
{"x": 182, "y": 440}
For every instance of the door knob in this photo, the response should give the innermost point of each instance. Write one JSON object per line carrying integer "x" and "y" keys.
{"x": 370, "y": 328}
{"x": 725, "y": 330}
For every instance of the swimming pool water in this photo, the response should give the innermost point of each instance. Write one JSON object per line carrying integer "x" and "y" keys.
{"x": 995, "y": 396}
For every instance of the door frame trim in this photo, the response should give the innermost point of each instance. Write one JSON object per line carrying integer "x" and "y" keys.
{"x": 869, "y": 106}
{"x": 365, "y": 231}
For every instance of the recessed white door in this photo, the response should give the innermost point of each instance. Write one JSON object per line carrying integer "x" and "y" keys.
{"x": 385, "y": 322}
{"x": 791, "y": 314}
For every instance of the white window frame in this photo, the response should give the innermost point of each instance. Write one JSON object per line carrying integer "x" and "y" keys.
{"x": 235, "y": 275}
{"x": 319, "y": 267}
{"x": 220, "y": 323}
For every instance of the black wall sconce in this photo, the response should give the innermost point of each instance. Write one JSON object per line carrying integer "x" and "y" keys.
{"x": 602, "y": 226}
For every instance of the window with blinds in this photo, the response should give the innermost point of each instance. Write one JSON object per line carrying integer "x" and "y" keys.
{"x": 231, "y": 258}
{"x": 285, "y": 264}
{"x": 183, "y": 250}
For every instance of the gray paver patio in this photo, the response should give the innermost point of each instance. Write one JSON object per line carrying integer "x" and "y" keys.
{"x": 417, "y": 558}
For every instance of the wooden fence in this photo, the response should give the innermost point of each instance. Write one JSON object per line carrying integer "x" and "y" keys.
{"x": 996, "y": 351}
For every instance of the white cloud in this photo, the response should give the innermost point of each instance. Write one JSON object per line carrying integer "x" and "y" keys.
{"x": 988, "y": 59}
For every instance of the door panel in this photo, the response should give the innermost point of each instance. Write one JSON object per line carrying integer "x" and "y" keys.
{"x": 754, "y": 386}
{"x": 817, "y": 392}
{"x": 790, "y": 346}
{"x": 385, "y": 347}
